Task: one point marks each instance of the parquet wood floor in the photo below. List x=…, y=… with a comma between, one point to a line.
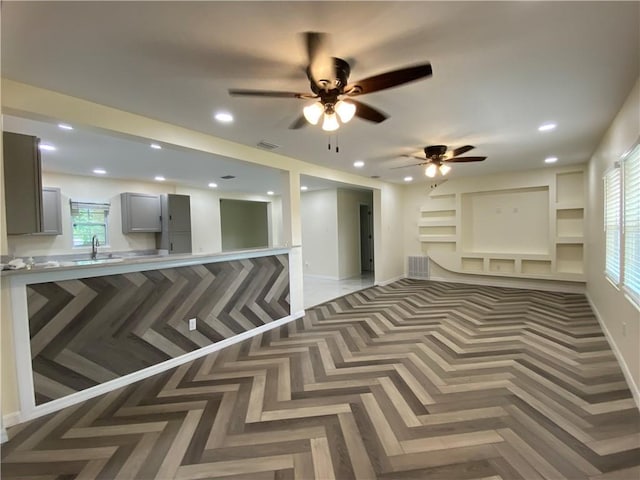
x=412, y=380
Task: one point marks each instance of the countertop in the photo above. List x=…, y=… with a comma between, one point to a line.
x=85, y=267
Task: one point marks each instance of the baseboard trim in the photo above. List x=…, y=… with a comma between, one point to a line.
x=391, y=280
x=555, y=287
x=74, y=398
x=11, y=419
x=635, y=391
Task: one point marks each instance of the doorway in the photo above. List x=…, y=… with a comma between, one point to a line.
x=366, y=239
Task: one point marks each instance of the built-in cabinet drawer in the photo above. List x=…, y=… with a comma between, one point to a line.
x=140, y=212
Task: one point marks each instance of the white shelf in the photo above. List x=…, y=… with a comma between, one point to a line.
x=508, y=256
x=577, y=205
x=539, y=268
x=437, y=222
x=570, y=239
x=438, y=238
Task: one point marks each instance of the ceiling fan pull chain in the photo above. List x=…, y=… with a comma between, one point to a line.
x=329, y=145
x=337, y=147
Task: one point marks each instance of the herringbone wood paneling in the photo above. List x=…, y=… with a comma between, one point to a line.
x=87, y=331
x=412, y=380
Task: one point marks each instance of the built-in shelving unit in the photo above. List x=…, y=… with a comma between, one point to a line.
x=531, y=228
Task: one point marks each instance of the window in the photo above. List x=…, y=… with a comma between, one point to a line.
x=89, y=219
x=612, y=224
x=631, y=223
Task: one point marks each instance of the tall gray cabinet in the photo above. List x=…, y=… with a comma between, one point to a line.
x=22, y=183
x=176, y=224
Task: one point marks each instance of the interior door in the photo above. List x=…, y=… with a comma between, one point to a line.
x=366, y=239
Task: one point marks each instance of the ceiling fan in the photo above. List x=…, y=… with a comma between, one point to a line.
x=329, y=78
x=437, y=159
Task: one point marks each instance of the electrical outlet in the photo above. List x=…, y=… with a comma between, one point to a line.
x=192, y=324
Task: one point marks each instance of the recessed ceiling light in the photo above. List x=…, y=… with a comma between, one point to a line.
x=47, y=147
x=304, y=188
x=358, y=164
x=270, y=192
x=159, y=178
x=65, y=126
x=155, y=146
x=223, y=117
x=213, y=185
x=545, y=127
x=408, y=179
x=551, y=160
x=99, y=171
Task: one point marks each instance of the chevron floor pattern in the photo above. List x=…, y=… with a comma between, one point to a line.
x=411, y=380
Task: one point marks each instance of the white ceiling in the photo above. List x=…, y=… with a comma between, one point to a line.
x=500, y=70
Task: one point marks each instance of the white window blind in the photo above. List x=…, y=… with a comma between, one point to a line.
x=88, y=220
x=612, y=224
x=631, y=219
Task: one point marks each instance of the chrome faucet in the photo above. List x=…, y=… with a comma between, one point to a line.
x=95, y=243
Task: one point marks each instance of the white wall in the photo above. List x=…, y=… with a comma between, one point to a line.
x=349, y=202
x=388, y=226
x=88, y=189
x=319, y=214
x=616, y=311
x=506, y=221
x=504, y=214
x=205, y=219
x=205, y=216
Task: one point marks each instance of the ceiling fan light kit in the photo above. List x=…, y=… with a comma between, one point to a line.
x=431, y=170
x=330, y=122
x=438, y=157
x=313, y=112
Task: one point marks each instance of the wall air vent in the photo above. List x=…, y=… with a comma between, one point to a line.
x=228, y=177
x=266, y=145
x=418, y=268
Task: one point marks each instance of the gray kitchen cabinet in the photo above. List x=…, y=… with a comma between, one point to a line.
x=140, y=212
x=22, y=183
x=51, y=211
x=175, y=236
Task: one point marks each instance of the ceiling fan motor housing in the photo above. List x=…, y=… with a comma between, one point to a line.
x=435, y=151
x=342, y=71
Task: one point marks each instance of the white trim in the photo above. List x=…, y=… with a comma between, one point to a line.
x=555, y=287
x=11, y=419
x=384, y=283
x=635, y=391
x=111, y=385
x=321, y=277
x=3, y=435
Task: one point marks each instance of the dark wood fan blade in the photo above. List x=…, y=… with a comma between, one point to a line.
x=412, y=165
x=299, y=123
x=465, y=159
x=461, y=150
x=369, y=113
x=269, y=93
x=321, y=65
x=389, y=80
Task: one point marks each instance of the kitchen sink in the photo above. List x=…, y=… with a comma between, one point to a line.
x=97, y=261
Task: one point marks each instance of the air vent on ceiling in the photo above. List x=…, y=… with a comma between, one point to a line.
x=228, y=177
x=267, y=146
x=375, y=176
